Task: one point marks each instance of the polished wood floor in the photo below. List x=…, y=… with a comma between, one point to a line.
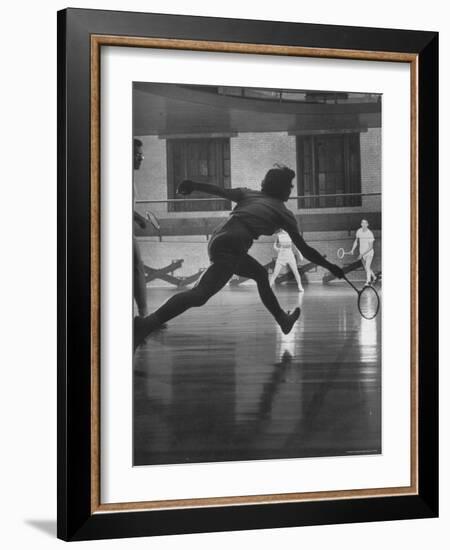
x=223, y=383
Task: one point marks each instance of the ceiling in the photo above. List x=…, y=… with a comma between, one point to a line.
x=172, y=109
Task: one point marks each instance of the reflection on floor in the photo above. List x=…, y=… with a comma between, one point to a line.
x=223, y=383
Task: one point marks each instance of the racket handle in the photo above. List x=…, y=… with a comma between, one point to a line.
x=351, y=284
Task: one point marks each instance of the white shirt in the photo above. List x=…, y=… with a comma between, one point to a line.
x=366, y=240
x=284, y=240
x=286, y=248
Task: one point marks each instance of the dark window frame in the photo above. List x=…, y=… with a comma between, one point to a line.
x=350, y=166
x=219, y=157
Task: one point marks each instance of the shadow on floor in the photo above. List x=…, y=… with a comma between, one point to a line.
x=47, y=526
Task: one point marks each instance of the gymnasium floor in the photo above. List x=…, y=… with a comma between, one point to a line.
x=223, y=383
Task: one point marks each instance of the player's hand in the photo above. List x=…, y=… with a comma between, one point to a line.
x=360, y=256
x=186, y=187
x=336, y=271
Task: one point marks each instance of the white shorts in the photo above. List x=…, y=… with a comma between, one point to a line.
x=368, y=256
x=286, y=257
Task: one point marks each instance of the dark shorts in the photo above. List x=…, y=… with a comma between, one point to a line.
x=230, y=242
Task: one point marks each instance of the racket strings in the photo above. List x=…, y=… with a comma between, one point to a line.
x=368, y=302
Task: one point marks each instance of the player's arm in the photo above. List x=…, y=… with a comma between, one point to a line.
x=355, y=244
x=313, y=255
x=186, y=187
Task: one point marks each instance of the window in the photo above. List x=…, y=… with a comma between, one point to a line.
x=206, y=160
x=329, y=165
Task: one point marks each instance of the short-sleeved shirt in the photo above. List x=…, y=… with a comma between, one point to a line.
x=284, y=240
x=366, y=240
x=285, y=252
x=262, y=214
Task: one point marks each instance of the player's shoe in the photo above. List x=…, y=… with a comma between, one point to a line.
x=288, y=320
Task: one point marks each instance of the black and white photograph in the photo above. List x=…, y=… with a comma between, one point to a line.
x=257, y=273
x=223, y=316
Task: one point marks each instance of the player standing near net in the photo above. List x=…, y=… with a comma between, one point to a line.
x=366, y=252
x=256, y=213
x=286, y=257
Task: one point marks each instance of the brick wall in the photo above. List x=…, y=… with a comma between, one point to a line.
x=371, y=166
x=150, y=181
x=251, y=156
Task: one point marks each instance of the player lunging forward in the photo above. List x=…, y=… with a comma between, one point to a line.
x=256, y=213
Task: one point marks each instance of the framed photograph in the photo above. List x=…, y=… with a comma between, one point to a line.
x=247, y=286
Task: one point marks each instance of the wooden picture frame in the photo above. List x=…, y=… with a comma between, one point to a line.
x=81, y=35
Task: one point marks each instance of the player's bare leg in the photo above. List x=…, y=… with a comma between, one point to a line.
x=213, y=279
x=275, y=273
x=370, y=274
x=249, y=267
x=293, y=267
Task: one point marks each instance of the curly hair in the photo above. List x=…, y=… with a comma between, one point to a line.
x=277, y=183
